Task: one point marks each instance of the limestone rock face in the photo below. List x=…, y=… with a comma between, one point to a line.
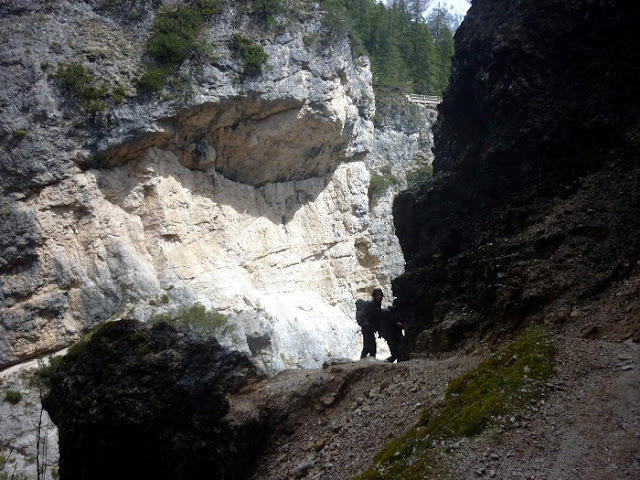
x=402, y=146
x=247, y=194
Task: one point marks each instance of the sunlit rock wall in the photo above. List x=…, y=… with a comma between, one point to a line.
x=246, y=194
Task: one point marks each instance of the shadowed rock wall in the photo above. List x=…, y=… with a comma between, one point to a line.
x=532, y=215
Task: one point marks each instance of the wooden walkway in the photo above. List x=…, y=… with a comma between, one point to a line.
x=427, y=100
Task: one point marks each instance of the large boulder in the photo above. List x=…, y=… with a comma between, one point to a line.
x=149, y=402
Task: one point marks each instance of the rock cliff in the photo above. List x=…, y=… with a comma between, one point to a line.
x=533, y=212
x=245, y=193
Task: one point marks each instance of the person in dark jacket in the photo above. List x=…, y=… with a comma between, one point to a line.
x=369, y=321
x=391, y=330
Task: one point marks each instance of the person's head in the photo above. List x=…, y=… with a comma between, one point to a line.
x=377, y=294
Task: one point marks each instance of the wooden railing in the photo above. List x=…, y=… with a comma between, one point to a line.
x=428, y=100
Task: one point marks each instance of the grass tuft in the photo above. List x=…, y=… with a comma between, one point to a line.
x=13, y=397
x=91, y=93
x=198, y=319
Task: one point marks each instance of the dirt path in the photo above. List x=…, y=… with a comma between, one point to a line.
x=586, y=427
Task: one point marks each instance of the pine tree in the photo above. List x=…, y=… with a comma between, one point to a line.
x=406, y=51
x=443, y=43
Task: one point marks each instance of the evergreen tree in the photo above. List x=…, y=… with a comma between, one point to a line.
x=443, y=43
x=406, y=51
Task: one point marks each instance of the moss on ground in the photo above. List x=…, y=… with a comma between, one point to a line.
x=501, y=385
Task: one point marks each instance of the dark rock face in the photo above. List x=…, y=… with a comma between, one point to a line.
x=141, y=402
x=534, y=209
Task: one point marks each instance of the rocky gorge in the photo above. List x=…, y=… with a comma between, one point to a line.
x=244, y=193
x=170, y=199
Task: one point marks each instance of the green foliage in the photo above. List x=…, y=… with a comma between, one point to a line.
x=495, y=387
x=13, y=476
x=268, y=9
x=119, y=94
x=310, y=40
x=378, y=184
x=206, y=8
x=252, y=55
x=421, y=174
x=154, y=79
x=499, y=386
x=174, y=38
x=198, y=319
x=13, y=397
x=405, y=51
x=78, y=347
x=91, y=93
x=392, y=109
x=19, y=134
x=46, y=370
x=335, y=18
x=174, y=34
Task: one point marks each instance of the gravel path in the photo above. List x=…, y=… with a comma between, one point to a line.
x=587, y=425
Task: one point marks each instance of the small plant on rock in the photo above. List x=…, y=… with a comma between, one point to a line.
x=198, y=319
x=13, y=397
x=421, y=174
x=268, y=9
x=253, y=56
x=378, y=184
x=19, y=134
x=91, y=93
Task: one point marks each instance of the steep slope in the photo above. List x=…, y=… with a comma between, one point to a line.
x=533, y=212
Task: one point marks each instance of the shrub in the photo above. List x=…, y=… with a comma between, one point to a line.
x=119, y=94
x=335, y=18
x=174, y=38
x=252, y=55
x=19, y=134
x=310, y=40
x=268, y=9
x=378, y=184
x=154, y=79
x=392, y=109
x=206, y=8
x=46, y=370
x=174, y=34
x=91, y=93
x=13, y=397
x=198, y=319
x=421, y=174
